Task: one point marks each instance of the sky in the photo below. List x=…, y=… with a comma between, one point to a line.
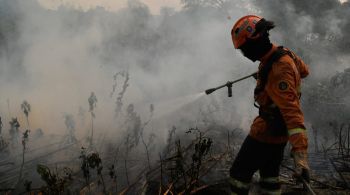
x=112, y=5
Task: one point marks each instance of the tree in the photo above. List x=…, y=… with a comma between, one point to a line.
x=92, y=102
x=70, y=125
x=92, y=105
x=25, y=106
x=0, y=125
x=119, y=103
x=14, y=130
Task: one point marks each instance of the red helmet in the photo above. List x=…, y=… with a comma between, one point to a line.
x=244, y=29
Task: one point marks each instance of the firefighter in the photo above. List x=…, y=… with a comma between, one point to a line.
x=280, y=117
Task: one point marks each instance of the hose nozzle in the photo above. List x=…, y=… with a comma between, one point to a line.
x=228, y=85
x=209, y=91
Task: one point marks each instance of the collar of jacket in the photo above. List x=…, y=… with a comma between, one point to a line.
x=265, y=58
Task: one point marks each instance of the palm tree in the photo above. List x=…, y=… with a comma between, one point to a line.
x=25, y=106
x=92, y=105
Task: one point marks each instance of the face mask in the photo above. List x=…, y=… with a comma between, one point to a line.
x=249, y=52
x=256, y=49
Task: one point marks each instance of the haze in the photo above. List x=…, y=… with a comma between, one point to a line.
x=112, y=5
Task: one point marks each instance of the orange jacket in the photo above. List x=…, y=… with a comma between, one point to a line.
x=282, y=90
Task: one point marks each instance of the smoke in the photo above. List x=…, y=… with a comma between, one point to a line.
x=57, y=58
x=54, y=59
x=316, y=30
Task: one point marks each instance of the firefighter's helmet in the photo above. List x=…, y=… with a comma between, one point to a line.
x=244, y=29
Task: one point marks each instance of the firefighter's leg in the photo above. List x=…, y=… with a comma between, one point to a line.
x=244, y=166
x=269, y=173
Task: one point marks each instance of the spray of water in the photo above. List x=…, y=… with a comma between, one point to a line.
x=170, y=106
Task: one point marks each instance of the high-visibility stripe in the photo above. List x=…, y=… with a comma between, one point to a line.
x=295, y=131
x=271, y=192
x=238, y=184
x=270, y=179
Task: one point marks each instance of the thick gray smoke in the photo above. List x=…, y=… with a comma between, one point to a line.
x=316, y=30
x=56, y=58
x=132, y=59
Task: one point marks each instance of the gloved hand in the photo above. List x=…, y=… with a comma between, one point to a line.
x=302, y=169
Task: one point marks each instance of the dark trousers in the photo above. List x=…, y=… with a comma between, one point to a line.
x=254, y=156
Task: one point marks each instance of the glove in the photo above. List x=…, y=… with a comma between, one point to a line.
x=302, y=169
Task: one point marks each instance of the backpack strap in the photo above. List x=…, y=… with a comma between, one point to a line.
x=265, y=70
